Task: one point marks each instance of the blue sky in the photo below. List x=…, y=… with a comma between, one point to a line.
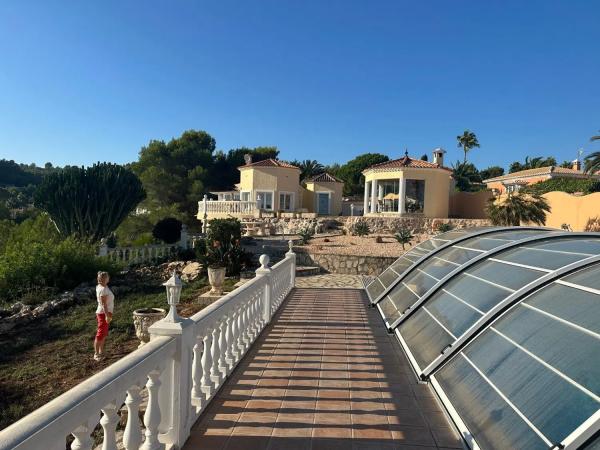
x=327, y=80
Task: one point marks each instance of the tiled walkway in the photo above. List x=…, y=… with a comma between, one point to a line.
x=331, y=281
x=324, y=375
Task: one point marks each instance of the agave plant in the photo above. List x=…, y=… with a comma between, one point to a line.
x=404, y=236
x=514, y=208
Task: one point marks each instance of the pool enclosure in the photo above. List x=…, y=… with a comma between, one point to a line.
x=505, y=325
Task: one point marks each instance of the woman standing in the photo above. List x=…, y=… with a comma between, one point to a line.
x=104, y=312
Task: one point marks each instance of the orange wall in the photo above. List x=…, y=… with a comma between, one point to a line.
x=572, y=209
x=469, y=205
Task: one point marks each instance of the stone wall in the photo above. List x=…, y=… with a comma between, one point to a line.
x=344, y=264
x=378, y=225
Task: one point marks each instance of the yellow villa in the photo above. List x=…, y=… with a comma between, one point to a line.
x=408, y=186
x=271, y=187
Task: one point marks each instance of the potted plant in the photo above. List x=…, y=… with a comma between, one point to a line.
x=143, y=318
x=215, y=260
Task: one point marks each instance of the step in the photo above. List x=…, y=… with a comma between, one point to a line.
x=306, y=271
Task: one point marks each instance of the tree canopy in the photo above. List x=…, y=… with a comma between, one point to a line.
x=351, y=172
x=532, y=163
x=491, y=172
x=467, y=141
x=89, y=203
x=466, y=177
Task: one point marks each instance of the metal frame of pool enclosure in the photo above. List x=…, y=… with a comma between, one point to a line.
x=505, y=325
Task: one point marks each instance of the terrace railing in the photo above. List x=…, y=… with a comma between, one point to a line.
x=181, y=369
x=222, y=208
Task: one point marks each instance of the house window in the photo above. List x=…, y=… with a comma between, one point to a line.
x=245, y=196
x=415, y=196
x=265, y=200
x=286, y=201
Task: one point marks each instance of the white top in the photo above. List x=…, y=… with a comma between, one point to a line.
x=110, y=301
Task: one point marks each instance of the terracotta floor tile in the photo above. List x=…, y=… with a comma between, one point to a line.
x=316, y=379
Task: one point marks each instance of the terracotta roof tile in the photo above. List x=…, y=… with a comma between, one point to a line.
x=405, y=161
x=324, y=178
x=547, y=170
x=269, y=163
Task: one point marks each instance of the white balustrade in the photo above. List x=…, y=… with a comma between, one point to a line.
x=181, y=369
x=233, y=208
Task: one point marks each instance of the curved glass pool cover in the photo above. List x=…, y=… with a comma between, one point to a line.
x=505, y=324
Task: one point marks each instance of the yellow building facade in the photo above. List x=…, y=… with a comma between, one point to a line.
x=408, y=186
x=323, y=194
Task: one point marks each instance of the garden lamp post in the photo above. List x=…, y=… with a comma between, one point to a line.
x=173, y=286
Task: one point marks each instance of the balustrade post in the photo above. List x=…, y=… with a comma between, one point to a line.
x=291, y=255
x=206, y=385
x=229, y=340
x=175, y=398
x=265, y=272
x=83, y=439
x=183, y=240
x=215, y=374
x=132, y=436
x=153, y=415
x=103, y=249
x=109, y=422
x=223, y=368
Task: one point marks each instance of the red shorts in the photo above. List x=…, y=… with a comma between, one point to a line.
x=102, y=326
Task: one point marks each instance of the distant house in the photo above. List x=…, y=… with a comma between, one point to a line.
x=409, y=186
x=514, y=181
x=323, y=194
x=271, y=186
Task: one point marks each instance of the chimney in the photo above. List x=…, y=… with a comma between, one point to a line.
x=438, y=156
x=576, y=165
x=248, y=158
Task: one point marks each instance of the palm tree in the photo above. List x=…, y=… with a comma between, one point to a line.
x=514, y=208
x=404, y=236
x=310, y=168
x=465, y=176
x=592, y=161
x=467, y=141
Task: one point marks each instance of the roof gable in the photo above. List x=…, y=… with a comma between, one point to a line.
x=405, y=162
x=323, y=178
x=270, y=163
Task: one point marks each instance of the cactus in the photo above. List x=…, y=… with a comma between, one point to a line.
x=91, y=202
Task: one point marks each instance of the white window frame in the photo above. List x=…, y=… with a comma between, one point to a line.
x=328, y=203
x=292, y=200
x=246, y=194
x=262, y=198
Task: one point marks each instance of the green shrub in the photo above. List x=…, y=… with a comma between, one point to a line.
x=306, y=234
x=167, y=230
x=444, y=227
x=35, y=259
x=404, y=236
x=360, y=228
x=224, y=231
x=568, y=185
x=222, y=246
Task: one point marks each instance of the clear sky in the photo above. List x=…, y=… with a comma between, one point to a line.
x=82, y=81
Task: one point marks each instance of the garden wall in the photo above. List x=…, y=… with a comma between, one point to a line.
x=377, y=225
x=344, y=264
x=470, y=205
x=574, y=210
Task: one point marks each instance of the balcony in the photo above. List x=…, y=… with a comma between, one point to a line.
x=220, y=209
x=266, y=366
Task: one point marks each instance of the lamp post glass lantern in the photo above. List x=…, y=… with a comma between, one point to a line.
x=173, y=286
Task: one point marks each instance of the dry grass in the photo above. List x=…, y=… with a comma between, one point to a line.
x=355, y=245
x=40, y=361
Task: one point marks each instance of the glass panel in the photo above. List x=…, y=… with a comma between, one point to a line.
x=477, y=293
x=587, y=277
x=422, y=336
x=582, y=308
x=402, y=297
x=375, y=289
x=586, y=246
x=414, y=196
x=553, y=405
x=389, y=310
x=554, y=342
x=493, y=423
x=505, y=275
x=458, y=255
x=387, y=277
x=545, y=260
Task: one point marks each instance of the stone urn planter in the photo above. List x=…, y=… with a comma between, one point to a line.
x=143, y=318
x=216, y=277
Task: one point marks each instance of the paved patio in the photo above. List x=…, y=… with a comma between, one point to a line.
x=324, y=375
x=331, y=281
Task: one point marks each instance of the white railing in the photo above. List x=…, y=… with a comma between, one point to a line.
x=181, y=368
x=227, y=207
x=137, y=255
